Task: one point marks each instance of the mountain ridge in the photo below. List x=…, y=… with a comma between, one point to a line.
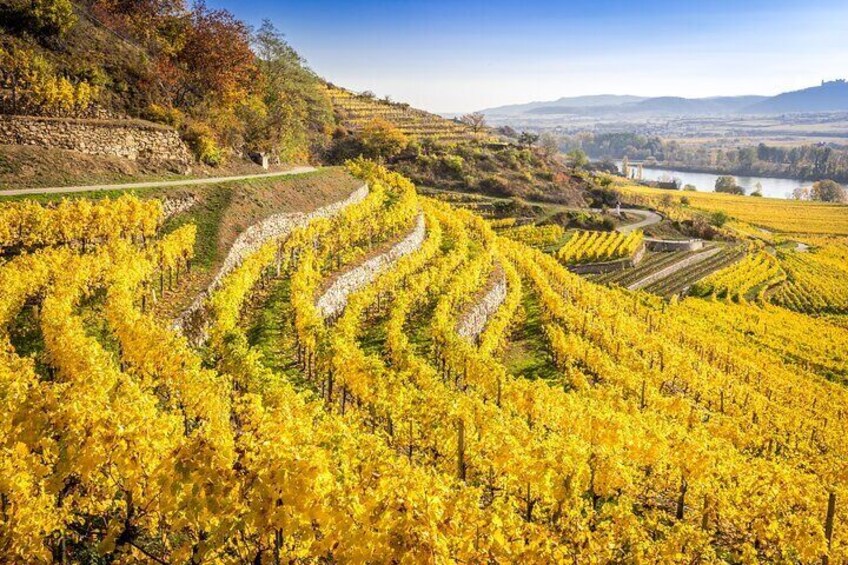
x=830, y=96
x=587, y=101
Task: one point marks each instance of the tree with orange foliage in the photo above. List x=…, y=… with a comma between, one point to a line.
x=216, y=59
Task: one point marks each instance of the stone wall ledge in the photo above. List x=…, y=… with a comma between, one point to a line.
x=135, y=140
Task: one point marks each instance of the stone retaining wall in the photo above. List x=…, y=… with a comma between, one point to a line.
x=674, y=244
x=249, y=241
x=609, y=266
x=135, y=140
x=333, y=301
x=474, y=322
x=172, y=206
x=671, y=269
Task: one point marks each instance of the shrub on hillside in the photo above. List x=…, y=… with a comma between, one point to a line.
x=452, y=165
x=53, y=17
x=381, y=140
x=201, y=140
x=699, y=227
x=718, y=218
x=604, y=196
x=44, y=19
x=496, y=186
x=163, y=115
x=29, y=84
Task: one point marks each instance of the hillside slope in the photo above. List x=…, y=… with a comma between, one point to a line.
x=441, y=153
x=829, y=97
x=583, y=424
x=227, y=88
x=355, y=111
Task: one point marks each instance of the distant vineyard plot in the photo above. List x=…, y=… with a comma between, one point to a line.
x=357, y=110
x=786, y=216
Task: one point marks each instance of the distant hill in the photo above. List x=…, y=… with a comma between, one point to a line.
x=829, y=97
x=715, y=105
x=660, y=105
x=594, y=101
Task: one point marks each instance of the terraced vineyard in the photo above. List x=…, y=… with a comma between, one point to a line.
x=651, y=263
x=546, y=236
x=377, y=430
x=670, y=273
x=785, y=216
x=747, y=279
x=713, y=260
x=817, y=277
x=356, y=111
x=592, y=246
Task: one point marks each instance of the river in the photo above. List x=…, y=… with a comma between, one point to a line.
x=705, y=182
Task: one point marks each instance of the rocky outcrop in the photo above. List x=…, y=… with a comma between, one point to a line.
x=334, y=299
x=136, y=140
x=249, y=241
x=472, y=324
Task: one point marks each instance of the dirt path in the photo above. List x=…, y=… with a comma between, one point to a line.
x=649, y=218
x=151, y=184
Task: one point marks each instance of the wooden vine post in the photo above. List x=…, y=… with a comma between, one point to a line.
x=460, y=450
x=828, y=525
x=681, y=500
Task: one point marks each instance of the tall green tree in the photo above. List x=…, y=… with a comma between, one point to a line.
x=298, y=114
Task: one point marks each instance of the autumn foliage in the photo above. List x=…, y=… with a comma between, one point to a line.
x=191, y=67
x=688, y=431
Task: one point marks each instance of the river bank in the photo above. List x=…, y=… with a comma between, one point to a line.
x=775, y=187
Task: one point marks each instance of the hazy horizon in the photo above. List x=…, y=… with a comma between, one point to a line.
x=457, y=57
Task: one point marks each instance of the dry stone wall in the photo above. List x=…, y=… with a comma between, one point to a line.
x=472, y=324
x=249, y=241
x=135, y=140
x=671, y=245
x=610, y=266
x=177, y=205
x=670, y=270
x=333, y=301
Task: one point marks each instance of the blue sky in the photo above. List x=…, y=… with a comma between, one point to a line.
x=467, y=55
